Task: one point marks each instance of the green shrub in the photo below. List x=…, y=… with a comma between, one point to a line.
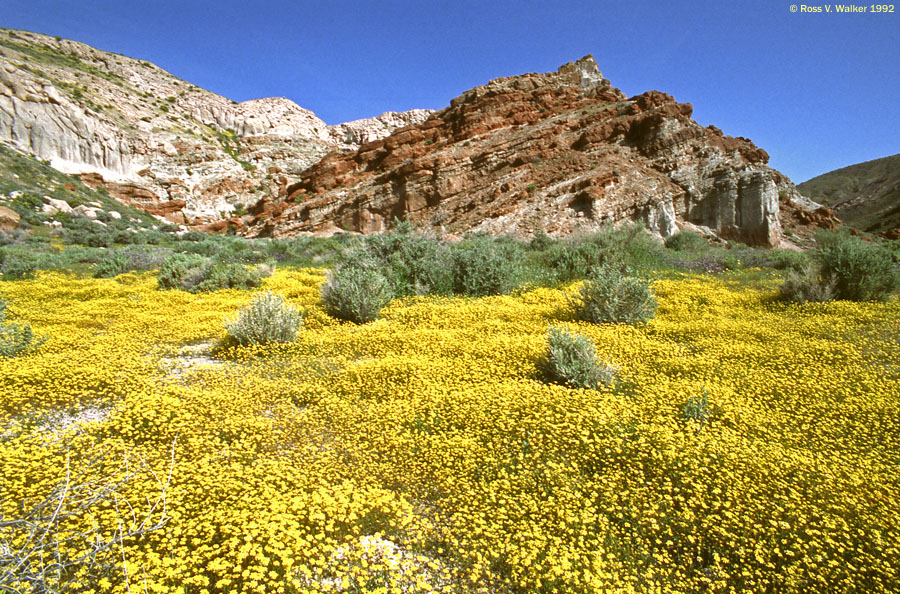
x=193, y=236
x=859, y=271
x=414, y=263
x=806, y=284
x=698, y=410
x=789, y=259
x=574, y=259
x=572, y=361
x=217, y=274
x=631, y=246
x=114, y=264
x=481, y=266
x=19, y=265
x=83, y=231
x=421, y=266
x=16, y=339
x=356, y=291
x=610, y=297
x=540, y=241
x=174, y=269
x=267, y=319
x=686, y=241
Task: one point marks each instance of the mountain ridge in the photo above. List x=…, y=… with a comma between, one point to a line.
x=195, y=154
x=562, y=152
x=865, y=195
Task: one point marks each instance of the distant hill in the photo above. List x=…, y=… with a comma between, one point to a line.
x=561, y=152
x=865, y=196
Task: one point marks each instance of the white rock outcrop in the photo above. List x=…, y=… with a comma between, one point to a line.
x=170, y=142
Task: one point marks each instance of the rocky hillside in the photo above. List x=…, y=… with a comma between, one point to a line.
x=154, y=140
x=865, y=196
x=560, y=152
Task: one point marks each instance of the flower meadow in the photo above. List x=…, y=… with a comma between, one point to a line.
x=423, y=451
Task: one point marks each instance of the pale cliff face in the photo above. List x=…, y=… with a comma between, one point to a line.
x=90, y=111
x=562, y=152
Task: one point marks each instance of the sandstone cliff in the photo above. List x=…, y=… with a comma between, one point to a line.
x=560, y=152
x=157, y=141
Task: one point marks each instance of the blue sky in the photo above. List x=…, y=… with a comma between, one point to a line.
x=818, y=91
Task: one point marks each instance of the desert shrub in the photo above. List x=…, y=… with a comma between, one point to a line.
x=215, y=274
x=697, y=410
x=18, y=264
x=631, y=246
x=83, y=231
x=540, y=241
x=15, y=339
x=145, y=258
x=421, y=266
x=686, y=241
x=482, y=267
x=572, y=361
x=806, y=284
x=193, y=236
x=268, y=318
x=611, y=297
x=788, y=259
x=174, y=269
x=114, y=264
x=242, y=250
x=414, y=263
x=356, y=291
x=206, y=247
x=574, y=259
x=13, y=236
x=860, y=271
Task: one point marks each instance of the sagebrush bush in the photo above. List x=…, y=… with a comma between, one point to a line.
x=16, y=339
x=686, y=241
x=482, y=267
x=267, y=319
x=217, y=274
x=805, y=285
x=197, y=274
x=572, y=361
x=356, y=291
x=859, y=271
x=175, y=267
x=630, y=245
x=611, y=297
x=18, y=265
x=788, y=259
x=112, y=265
x=573, y=259
x=414, y=263
x=421, y=266
x=698, y=409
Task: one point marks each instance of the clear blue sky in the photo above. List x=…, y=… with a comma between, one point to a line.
x=817, y=91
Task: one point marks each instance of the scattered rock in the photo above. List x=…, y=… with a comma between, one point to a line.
x=85, y=211
x=9, y=219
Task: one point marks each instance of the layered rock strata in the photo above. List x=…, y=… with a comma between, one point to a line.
x=138, y=130
x=562, y=152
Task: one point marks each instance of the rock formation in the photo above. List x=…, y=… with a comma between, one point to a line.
x=560, y=152
x=155, y=140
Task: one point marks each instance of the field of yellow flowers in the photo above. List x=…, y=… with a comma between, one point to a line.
x=423, y=452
